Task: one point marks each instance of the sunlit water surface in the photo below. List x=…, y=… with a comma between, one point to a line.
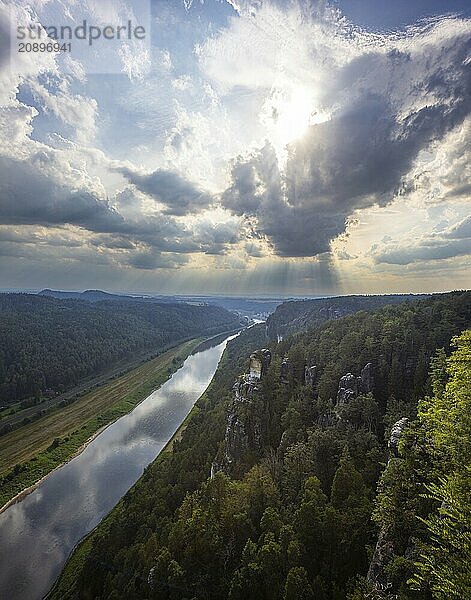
x=38, y=533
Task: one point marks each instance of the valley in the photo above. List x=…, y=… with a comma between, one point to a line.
x=277, y=486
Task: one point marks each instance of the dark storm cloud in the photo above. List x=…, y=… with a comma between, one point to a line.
x=388, y=107
x=152, y=260
x=29, y=196
x=252, y=180
x=179, y=195
x=260, y=189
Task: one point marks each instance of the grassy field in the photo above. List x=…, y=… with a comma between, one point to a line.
x=29, y=453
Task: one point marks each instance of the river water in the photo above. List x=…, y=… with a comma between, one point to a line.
x=38, y=533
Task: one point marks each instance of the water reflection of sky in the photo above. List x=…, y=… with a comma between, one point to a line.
x=38, y=533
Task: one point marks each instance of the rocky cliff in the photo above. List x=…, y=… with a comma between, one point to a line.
x=243, y=435
x=350, y=386
x=243, y=426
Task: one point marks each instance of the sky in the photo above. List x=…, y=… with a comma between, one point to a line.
x=250, y=147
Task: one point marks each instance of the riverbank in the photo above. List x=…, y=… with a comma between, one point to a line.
x=24, y=492
x=29, y=454
x=182, y=464
x=65, y=583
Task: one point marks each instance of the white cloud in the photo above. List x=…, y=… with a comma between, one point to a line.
x=381, y=104
x=285, y=131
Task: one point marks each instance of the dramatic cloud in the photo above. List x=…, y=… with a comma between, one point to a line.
x=396, y=97
x=29, y=196
x=259, y=189
x=179, y=195
x=268, y=138
x=425, y=250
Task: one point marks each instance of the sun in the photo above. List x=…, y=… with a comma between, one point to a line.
x=287, y=114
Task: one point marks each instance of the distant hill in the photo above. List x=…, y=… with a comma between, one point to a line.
x=48, y=345
x=261, y=307
x=247, y=306
x=90, y=295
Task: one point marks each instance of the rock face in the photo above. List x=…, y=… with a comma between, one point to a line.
x=367, y=379
x=259, y=363
x=348, y=389
x=310, y=375
x=242, y=432
x=350, y=386
x=383, y=553
x=396, y=432
x=150, y=577
x=286, y=371
x=384, y=550
x=243, y=427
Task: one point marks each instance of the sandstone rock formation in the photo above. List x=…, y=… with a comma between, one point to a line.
x=384, y=549
x=259, y=363
x=350, y=386
x=286, y=371
x=243, y=427
x=396, y=432
x=348, y=389
x=367, y=379
x=310, y=375
x=382, y=555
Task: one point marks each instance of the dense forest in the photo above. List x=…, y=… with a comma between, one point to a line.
x=295, y=316
x=48, y=345
x=344, y=472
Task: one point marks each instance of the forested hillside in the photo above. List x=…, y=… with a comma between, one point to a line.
x=272, y=491
x=423, y=507
x=295, y=316
x=48, y=345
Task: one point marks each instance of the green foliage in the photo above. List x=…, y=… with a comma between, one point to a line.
x=49, y=345
x=297, y=585
x=424, y=497
x=445, y=556
x=362, y=411
x=294, y=519
x=292, y=317
x=445, y=560
x=447, y=415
